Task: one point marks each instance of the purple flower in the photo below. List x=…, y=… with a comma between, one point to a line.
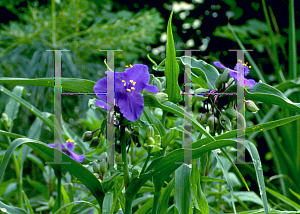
x=128, y=84
x=68, y=150
x=238, y=76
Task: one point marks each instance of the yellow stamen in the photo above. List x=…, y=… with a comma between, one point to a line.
x=124, y=84
x=69, y=140
x=130, y=65
x=250, y=66
x=128, y=89
x=133, y=83
x=123, y=80
x=74, y=144
x=132, y=88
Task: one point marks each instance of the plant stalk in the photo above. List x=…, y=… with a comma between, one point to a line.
x=124, y=154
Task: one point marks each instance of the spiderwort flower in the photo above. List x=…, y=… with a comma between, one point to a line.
x=68, y=150
x=128, y=84
x=236, y=75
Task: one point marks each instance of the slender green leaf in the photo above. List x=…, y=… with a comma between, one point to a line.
x=155, y=121
x=171, y=107
x=259, y=172
x=225, y=173
x=172, y=68
x=182, y=197
x=268, y=94
x=12, y=107
x=47, y=152
x=66, y=199
x=264, y=93
x=30, y=107
x=108, y=201
x=272, y=38
x=145, y=208
x=203, y=70
x=12, y=135
x=164, y=198
x=68, y=84
x=168, y=164
x=289, y=84
x=30, y=210
x=76, y=202
x=292, y=42
x=11, y=209
x=283, y=198
x=198, y=196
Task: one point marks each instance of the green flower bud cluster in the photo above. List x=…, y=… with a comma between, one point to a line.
x=99, y=170
x=94, y=141
x=222, y=79
x=153, y=142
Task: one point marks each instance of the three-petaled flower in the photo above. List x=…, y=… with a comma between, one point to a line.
x=127, y=86
x=237, y=75
x=68, y=150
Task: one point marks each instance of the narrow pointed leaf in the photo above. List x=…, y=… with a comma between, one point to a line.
x=47, y=152
x=172, y=68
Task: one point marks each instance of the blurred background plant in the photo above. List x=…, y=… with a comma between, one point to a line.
x=83, y=27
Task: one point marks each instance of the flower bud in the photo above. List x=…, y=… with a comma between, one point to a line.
x=150, y=132
x=202, y=118
x=251, y=107
x=96, y=167
x=225, y=122
x=119, y=158
x=6, y=121
x=225, y=76
x=87, y=136
x=103, y=167
x=231, y=112
x=157, y=83
x=157, y=140
x=94, y=143
x=240, y=121
x=150, y=141
x=161, y=97
x=127, y=132
x=218, y=83
x=212, y=122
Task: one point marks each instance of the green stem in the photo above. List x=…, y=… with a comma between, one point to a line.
x=124, y=154
x=131, y=152
x=163, y=119
x=18, y=175
x=128, y=206
x=292, y=42
x=155, y=199
x=219, y=196
x=58, y=198
x=146, y=162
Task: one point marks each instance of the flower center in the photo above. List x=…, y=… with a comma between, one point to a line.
x=129, y=86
